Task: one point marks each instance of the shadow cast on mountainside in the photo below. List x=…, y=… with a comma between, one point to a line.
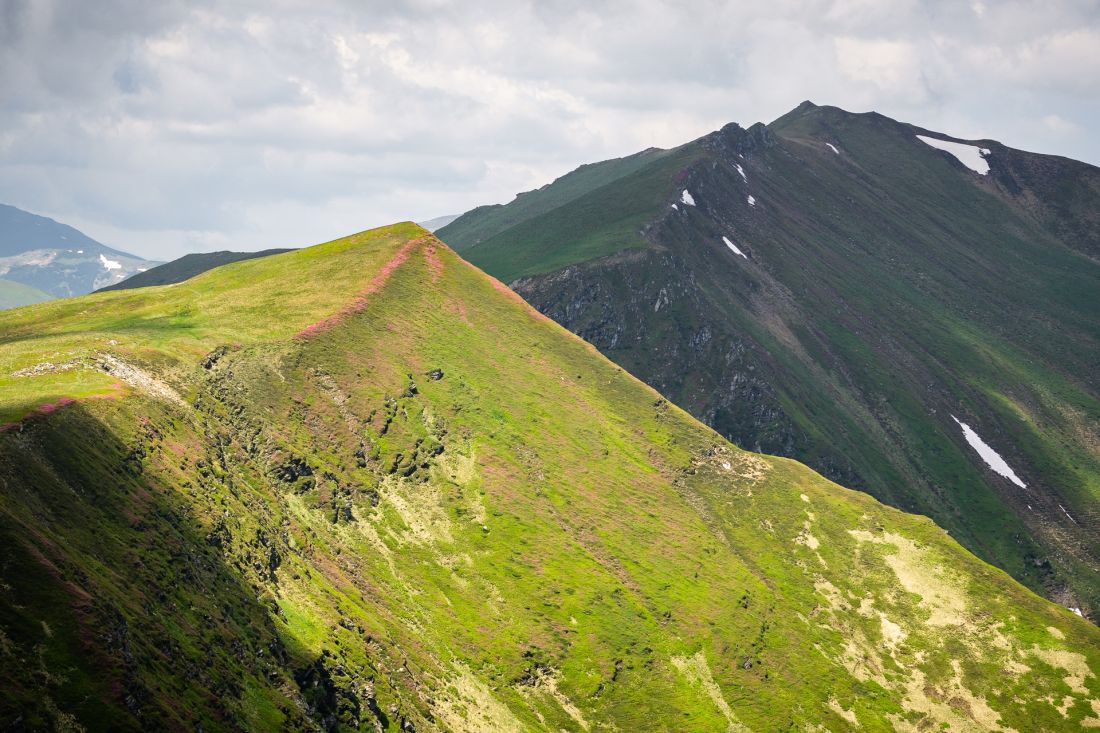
x=170, y=325
x=122, y=609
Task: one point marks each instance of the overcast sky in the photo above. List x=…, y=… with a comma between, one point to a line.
x=168, y=127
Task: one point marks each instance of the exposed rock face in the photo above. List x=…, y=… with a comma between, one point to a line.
x=663, y=328
x=831, y=288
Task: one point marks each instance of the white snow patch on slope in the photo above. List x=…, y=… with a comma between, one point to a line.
x=752, y=200
x=971, y=156
x=687, y=198
x=110, y=264
x=1068, y=515
x=742, y=172
x=833, y=148
x=990, y=456
x=733, y=247
x=676, y=207
x=1078, y=612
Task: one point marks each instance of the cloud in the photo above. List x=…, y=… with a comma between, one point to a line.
x=891, y=67
x=174, y=126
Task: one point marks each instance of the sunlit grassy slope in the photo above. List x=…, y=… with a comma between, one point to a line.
x=884, y=289
x=363, y=486
x=187, y=267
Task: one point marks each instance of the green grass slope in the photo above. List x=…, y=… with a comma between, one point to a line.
x=885, y=289
x=600, y=218
x=386, y=494
x=13, y=294
x=187, y=267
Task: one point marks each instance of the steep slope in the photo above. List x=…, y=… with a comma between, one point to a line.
x=47, y=257
x=831, y=287
x=595, y=224
x=385, y=494
x=187, y=267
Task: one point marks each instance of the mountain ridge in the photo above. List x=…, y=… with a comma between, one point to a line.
x=832, y=288
x=439, y=510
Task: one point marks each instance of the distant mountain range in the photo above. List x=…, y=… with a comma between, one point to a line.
x=438, y=222
x=42, y=259
x=909, y=313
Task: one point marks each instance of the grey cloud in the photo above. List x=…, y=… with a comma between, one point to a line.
x=169, y=126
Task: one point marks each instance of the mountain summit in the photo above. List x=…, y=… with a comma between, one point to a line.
x=363, y=486
x=911, y=314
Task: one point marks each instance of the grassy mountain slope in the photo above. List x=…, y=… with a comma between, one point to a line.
x=885, y=293
x=385, y=494
x=187, y=267
x=598, y=226
x=13, y=294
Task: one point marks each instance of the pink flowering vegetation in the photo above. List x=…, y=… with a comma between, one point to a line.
x=363, y=297
x=435, y=264
x=47, y=408
x=516, y=298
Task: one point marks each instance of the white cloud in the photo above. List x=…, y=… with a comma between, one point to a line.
x=894, y=68
x=1060, y=126
x=167, y=127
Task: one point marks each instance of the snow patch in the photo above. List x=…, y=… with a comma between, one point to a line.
x=833, y=148
x=80, y=251
x=1078, y=612
x=752, y=200
x=676, y=207
x=687, y=198
x=742, y=172
x=733, y=247
x=110, y=264
x=990, y=456
x=1068, y=515
x=971, y=156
